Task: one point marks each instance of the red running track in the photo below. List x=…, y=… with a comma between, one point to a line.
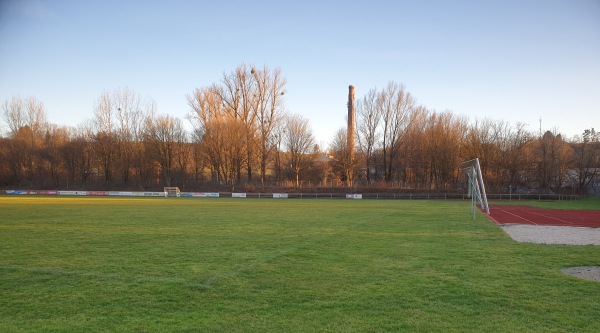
x=540, y=216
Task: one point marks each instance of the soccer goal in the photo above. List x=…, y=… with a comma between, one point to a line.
x=476, y=188
x=172, y=192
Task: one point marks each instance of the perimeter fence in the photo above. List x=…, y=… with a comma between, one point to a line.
x=300, y=195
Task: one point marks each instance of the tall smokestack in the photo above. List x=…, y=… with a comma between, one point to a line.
x=351, y=121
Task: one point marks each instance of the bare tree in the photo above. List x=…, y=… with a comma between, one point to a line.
x=343, y=164
x=50, y=154
x=222, y=143
x=119, y=119
x=29, y=112
x=105, y=137
x=298, y=142
x=205, y=105
x=367, y=129
x=219, y=133
x=77, y=157
x=14, y=114
x=269, y=109
x=278, y=137
x=481, y=142
x=129, y=120
x=443, y=138
x=239, y=95
x=26, y=119
x=414, y=147
x=4, y=161
x=395, y=106
x=164, y=140
x=255, y=97
x=17, y=155
x=552, y=158
x=512, y=161
x=587, y=158
x=141, y=164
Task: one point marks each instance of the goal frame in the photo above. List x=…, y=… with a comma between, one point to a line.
x=172, y=191
x=476, y=187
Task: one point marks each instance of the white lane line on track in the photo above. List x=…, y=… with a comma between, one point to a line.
x=553, y=218
x=516, y=216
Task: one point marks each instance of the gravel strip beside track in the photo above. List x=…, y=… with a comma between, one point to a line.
x=552, y=234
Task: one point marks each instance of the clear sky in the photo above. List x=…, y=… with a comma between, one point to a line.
x=510, y=60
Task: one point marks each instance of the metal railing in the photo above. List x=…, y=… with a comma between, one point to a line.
x=301, y=195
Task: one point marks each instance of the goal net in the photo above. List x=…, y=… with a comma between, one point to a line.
x=476, y=188
x=172, y=191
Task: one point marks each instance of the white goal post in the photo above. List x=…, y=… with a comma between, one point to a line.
x=172, y=192
x=476, y=188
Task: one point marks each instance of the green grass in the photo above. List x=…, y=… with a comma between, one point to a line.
x=227, y=265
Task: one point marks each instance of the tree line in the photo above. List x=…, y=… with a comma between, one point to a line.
x=243, y=137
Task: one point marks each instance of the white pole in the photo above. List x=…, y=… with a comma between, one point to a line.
x=487, y=208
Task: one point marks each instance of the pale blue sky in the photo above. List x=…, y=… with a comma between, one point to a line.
x=507, y=60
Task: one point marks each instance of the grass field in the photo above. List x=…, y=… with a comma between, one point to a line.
x=250, y=265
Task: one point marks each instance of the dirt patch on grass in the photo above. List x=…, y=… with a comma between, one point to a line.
x=584, y=272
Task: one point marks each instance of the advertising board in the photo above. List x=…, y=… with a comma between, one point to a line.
x=354, y=196
x=204, y=194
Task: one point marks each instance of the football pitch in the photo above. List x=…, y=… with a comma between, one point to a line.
x=265, y=265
